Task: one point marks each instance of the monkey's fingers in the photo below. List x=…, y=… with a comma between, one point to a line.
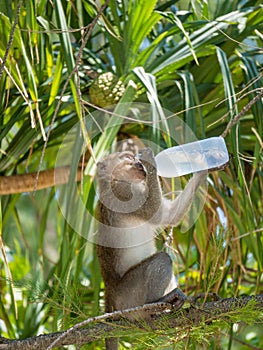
x=221, y=167
x=146, y=156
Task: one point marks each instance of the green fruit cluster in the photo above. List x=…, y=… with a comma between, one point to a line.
x=106, y=90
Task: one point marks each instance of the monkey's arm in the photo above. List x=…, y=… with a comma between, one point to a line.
x=163, y=212
x=173, y=211
x=154, y=198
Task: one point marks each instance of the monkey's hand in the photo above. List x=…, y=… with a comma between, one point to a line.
x=146, y=156
x=222, y=167
x=153, y=204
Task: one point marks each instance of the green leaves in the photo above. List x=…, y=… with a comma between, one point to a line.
x=138, y=22
x=201, y=62
x=67, y=52
x=174, y=19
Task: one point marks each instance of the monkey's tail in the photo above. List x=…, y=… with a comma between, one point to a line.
x=112, y=344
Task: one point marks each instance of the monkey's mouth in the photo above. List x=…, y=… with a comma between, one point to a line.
x=129, y=171
x=138, y=171
x=140, y=166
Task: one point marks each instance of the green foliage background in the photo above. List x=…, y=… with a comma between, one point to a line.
x=201, y=60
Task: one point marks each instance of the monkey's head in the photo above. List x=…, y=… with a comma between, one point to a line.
x=121, y=167
x=123, y=174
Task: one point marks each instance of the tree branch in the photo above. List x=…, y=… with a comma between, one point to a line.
x=246, y=108
x=105, y=325
x=26, y=182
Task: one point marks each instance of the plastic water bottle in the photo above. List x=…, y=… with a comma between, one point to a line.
x=192, y=157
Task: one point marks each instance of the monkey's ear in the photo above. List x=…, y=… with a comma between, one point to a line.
x=101, y=167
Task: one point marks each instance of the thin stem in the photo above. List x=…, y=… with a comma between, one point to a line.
x=11, y=38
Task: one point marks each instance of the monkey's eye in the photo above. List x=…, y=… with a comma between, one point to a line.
x=127, y=156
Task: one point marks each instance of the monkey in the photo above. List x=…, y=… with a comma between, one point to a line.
x=131, y=208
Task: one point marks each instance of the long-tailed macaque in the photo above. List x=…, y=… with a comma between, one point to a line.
x=131, y=208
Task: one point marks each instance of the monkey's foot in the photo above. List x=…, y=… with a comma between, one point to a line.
x=176, y=297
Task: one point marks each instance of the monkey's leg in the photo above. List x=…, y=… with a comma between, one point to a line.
x=147, y=282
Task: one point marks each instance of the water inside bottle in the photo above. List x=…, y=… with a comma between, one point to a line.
x=192, y=157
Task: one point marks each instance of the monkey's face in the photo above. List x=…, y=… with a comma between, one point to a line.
x=122, y=180
x=122, y=167
x=121, y=172
x=128, y=169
